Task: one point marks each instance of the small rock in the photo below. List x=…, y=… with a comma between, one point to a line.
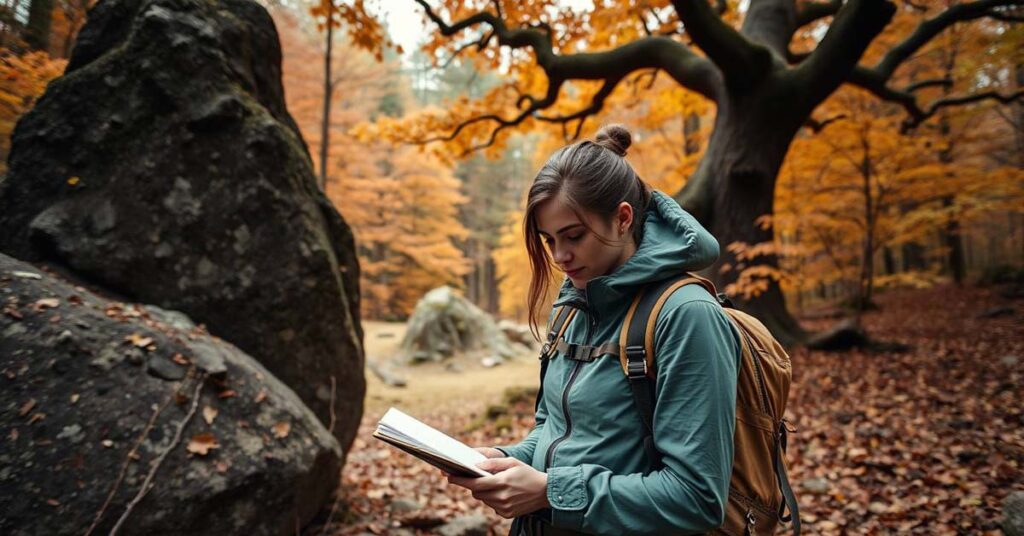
x=64, y=336
x=1009, y=360
x=26, y=275
x=475, y=525
x=1013, y=514
x=817, y=486
x=404, y=505
x=452, y=367
x=72, y=432
x=134, y=356
x=164, y=368
x=489, y=362
x=878, y=508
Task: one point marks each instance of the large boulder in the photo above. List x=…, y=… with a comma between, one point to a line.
x=445, y=324
x=93, y=387
x=164, y=167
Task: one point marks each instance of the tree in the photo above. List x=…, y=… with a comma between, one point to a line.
x=764, y=88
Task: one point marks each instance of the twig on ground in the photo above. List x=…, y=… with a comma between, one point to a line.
x=148, y=483
x=128, y=458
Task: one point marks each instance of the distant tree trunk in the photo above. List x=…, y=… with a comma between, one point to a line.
x=37, y=32
x=889, y=261
x=867, y=266
x=325, y=123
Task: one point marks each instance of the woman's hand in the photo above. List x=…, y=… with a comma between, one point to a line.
x=513, y=489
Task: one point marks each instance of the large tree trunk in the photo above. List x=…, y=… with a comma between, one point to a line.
x=735, y=184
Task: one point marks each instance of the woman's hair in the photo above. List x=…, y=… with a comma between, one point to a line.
x=588, y=176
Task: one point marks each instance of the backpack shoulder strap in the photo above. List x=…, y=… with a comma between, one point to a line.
x=556, y=330
x=636, y=349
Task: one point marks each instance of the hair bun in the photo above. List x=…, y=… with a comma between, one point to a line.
x=615, y=138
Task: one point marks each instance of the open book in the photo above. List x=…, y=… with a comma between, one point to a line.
x=429, y=444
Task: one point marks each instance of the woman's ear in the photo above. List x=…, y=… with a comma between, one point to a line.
x=624, y=217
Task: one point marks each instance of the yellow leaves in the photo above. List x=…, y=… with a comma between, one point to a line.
x=137, y=340
x=202, y=444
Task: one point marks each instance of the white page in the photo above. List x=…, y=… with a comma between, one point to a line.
x=438, y=441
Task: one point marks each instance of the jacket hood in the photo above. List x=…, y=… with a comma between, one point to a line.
x=673, y=242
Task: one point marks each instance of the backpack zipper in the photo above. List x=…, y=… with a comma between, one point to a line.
x=565, y=395
x=758, y=373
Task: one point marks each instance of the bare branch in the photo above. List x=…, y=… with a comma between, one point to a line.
x=817, y=126
x=742, y=62
x=932, y=27
x=913, y=121
x=945, y=82
x=816, y=11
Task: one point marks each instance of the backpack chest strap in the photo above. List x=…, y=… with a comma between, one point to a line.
x=586, y=353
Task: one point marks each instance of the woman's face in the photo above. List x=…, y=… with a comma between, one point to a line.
x=576, y=250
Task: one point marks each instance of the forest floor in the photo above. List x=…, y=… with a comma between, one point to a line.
x=924, y=442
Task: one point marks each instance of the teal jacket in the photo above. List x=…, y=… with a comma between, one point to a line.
x=588, y=436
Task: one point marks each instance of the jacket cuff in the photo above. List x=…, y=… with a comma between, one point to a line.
x=513, y=452
x=567, y=493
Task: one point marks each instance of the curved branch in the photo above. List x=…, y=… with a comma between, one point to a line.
x=816, y=11
x=945, y=82
x=932, y=27
x=817, y=126
x=742, y=62
x=914, y=121
x=660, y=53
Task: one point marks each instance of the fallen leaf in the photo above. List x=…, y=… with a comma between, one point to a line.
x=36, y=417
x=228, y=393
x=180, y=359
x=201, y=444
x=138, y=340
x=74, y=398
x=27, y=407
x=107, y=443
x=14, y=434
x=261, y=396
x=74, y=180
x=45, y=303
x=281, y=429
x=53, y=502
x=209, y=414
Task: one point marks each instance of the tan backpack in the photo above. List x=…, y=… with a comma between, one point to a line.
x=759, y=490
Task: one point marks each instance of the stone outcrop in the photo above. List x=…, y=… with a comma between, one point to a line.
x=93, y=387
x=164, y=167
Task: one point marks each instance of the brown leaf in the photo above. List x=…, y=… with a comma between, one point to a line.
x=138, y=340
x=281, y=430
x=209, y=414
x=201, y=444
x=261, y=396
x=227, y=393
x=45, y=303
x=27, y=407
x=36, y=417
x=180, y=359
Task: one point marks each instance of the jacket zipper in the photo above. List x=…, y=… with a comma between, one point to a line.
x=565, y=397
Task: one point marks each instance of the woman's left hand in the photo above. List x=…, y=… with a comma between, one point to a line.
x=513, y=489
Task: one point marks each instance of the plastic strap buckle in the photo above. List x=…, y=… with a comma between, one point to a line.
x=636, y=362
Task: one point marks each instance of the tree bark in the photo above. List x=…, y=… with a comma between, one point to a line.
x=735, y=184
x=325, y=124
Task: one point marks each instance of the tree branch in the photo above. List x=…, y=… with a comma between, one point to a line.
x=661, y=53
x=932, y=27
x=913, y=121
x=852, y=30
x=817, y=10
x=742, y=62
x=817, y=126
x=946, y=82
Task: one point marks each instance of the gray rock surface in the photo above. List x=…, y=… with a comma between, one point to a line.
x=164, y=167
x=445, y=324
x=474, y=525
x=1013, y=514
x=74, y=404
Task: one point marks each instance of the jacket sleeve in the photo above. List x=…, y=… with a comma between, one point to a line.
x=697, y=354
x=523, y=451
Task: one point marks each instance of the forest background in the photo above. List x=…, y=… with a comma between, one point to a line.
x=868, y=199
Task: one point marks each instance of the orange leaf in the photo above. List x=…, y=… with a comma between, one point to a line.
x=201, y=444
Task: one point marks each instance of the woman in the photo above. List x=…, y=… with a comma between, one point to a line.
x=583, y=468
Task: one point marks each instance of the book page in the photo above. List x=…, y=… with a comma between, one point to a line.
x=431, y=438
